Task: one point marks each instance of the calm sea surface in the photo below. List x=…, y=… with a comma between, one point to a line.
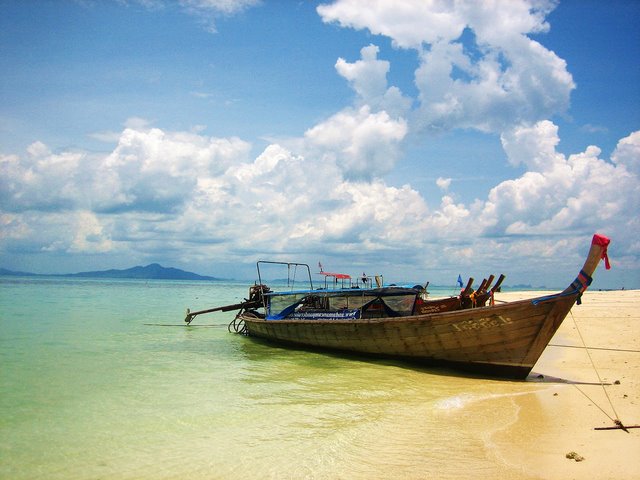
x=89, y=390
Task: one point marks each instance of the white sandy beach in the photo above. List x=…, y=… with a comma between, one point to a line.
x=560, y=417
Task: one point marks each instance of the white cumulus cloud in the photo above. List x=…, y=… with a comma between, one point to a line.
x=578, y=193
x=191, y=197
x=364, y=144
x=153, y=170
x=443, y=183
x=478, y=66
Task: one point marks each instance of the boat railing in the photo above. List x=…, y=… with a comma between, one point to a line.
x=344, y=281
x=369, y=281
x=293, y=275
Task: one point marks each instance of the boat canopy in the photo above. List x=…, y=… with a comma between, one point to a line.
x=341, y=276
x=340, y=303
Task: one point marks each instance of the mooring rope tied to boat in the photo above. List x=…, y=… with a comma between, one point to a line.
x=237, y=325
x=618, y=423
x=595, y=348
x=182, y=325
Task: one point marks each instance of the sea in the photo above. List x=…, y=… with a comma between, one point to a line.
x=101, y=379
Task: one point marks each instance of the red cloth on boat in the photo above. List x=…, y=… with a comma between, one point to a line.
x=604, y=243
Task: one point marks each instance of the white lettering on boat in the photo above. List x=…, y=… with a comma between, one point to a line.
x=424, y=309
x=346, y=315
x=481, y=323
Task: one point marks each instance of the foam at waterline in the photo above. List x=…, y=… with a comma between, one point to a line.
x=458, y=402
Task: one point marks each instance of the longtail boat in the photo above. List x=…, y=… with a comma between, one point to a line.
x=462, y=332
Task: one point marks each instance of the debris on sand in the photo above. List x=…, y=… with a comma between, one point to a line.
x=574, y=456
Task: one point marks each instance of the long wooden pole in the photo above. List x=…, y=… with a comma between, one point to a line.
x=226, y=308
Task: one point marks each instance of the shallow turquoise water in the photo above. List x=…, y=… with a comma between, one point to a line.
x=88, y=390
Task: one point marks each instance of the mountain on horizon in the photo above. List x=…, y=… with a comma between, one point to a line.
x=153, y=271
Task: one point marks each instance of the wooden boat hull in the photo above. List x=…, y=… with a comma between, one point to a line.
x=503, y=340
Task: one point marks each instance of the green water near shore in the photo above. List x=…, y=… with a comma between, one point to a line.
x=88, y=390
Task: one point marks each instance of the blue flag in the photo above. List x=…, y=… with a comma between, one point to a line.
x=460, y=281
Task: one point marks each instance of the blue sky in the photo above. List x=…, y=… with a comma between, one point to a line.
x=415, y=139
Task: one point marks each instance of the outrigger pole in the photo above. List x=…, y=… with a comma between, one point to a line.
x=227, y=308
x=255, y=300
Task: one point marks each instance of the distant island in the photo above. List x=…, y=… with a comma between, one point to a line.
x=153, y=271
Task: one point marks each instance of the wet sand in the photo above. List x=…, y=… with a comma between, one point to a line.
x=559, y=419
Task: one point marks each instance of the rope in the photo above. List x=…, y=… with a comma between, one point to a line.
x=595, y=348
x=599, y=407
x=180, y=325
x=617, y=419
x=237, y=325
